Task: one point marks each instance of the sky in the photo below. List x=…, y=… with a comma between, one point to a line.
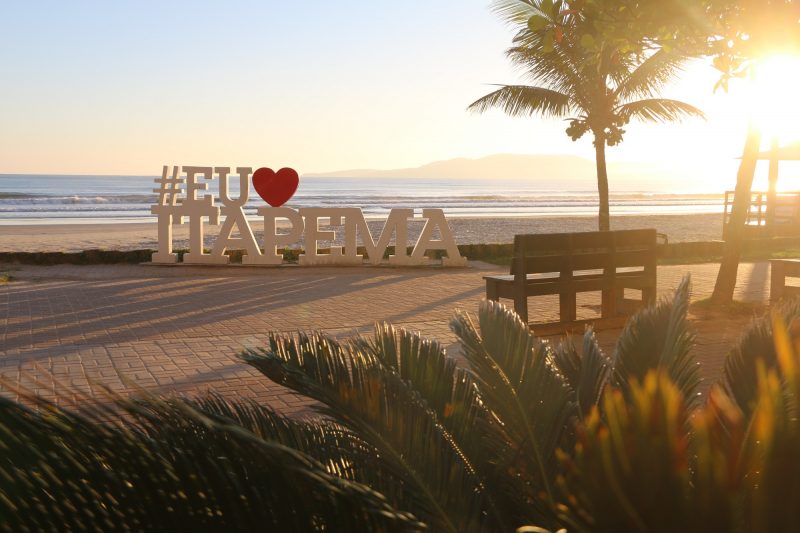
x=125, y=87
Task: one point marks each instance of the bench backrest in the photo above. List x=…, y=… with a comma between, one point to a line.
x=567, y=252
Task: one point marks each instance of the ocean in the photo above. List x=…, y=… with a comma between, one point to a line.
x=49, y=199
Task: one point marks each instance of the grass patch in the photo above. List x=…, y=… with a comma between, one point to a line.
x=87, y=257
x=789, y=253
x=5, y=277
x=690, y=260
x=499, y=261
x=681, y=253
x=754, y=255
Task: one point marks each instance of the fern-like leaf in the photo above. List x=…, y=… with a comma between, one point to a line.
x=658, y=337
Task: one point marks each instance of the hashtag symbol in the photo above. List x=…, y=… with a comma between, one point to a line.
x=170, y=190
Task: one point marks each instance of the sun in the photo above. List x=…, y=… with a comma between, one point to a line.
x=775, y=98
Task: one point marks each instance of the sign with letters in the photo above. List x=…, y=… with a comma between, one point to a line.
x=184, y=197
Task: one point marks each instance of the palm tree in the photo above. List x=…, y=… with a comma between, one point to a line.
x=598, y=89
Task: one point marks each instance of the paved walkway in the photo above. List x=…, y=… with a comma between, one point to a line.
x=179, y=329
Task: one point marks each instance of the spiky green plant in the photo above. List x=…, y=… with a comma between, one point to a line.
x=405, y=428
x=520, y=432
x=174, y=466
x=646, y=461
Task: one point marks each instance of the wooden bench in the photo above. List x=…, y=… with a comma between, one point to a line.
x=569, y=263
x=779, y=270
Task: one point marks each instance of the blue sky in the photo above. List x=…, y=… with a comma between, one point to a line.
x=124, y=87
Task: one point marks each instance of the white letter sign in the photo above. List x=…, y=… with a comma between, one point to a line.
x=179, y=199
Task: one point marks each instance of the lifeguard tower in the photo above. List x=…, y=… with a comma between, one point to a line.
x=771, y=213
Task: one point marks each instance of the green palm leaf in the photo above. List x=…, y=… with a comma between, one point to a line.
x=327, y=442
x=658, y=110
x=521, y=100
x=623, y=454
x=756, y=347
x=62, y=470
x=650, y=76
x=448, y=389
x=516, y=11
x=658, y=337
x=417, y=360
x=564, y=74
x=521, y=386
x=387, y=414
x=587, y=373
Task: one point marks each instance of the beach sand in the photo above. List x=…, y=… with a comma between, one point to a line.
x=137, y=236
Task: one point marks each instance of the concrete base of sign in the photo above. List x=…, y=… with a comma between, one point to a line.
x=462, y=263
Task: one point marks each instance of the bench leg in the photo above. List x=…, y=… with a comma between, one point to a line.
x=611, y=302
x=521, y=306
x=492, y=290
x=777, y=282
x=568, y=307
x=649, y=295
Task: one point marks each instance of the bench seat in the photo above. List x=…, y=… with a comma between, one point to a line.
x=569, y=263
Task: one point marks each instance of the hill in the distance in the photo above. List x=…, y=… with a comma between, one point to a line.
x=559, y=170
x=503, y=166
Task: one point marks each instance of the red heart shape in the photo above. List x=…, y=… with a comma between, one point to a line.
x=276, y=188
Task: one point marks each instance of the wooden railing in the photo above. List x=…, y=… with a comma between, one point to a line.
x=777, y=218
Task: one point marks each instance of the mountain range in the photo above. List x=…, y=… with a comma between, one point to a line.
x=506, y=166
x=566, y=170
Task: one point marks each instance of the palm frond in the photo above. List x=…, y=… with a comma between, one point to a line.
x=719, y=463
x=338, y=450
x=386, y=413
x=595, y=372
x=625, y=452
x=568, y=361
x=772, y=448
x=658, y=337
x=756, y=347
x=658, y=110
x=587, y=373
x=522, y=100
x=520, y=384
x=447, y=388
x=561, y=73
x=66, y=471
x=417, y=360
x=650, y=76
x=516, y=12
x=676, y=354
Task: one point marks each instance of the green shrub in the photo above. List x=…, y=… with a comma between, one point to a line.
x=523, y=432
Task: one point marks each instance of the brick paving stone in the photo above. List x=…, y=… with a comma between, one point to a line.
x=179, y=329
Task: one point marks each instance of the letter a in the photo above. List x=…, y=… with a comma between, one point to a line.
x=447, y=243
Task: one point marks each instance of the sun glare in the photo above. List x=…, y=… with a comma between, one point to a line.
x=775, y=98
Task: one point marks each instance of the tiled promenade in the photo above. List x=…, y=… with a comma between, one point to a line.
x=179, y=329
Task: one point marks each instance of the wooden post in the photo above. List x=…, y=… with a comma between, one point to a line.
x=610, y=295
x=520, y=278
x=568, y=297
x=777, y=280
x=726, y=215
x=772, y=195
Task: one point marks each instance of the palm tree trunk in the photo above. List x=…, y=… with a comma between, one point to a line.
x=726, y=278
x=603, y=217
